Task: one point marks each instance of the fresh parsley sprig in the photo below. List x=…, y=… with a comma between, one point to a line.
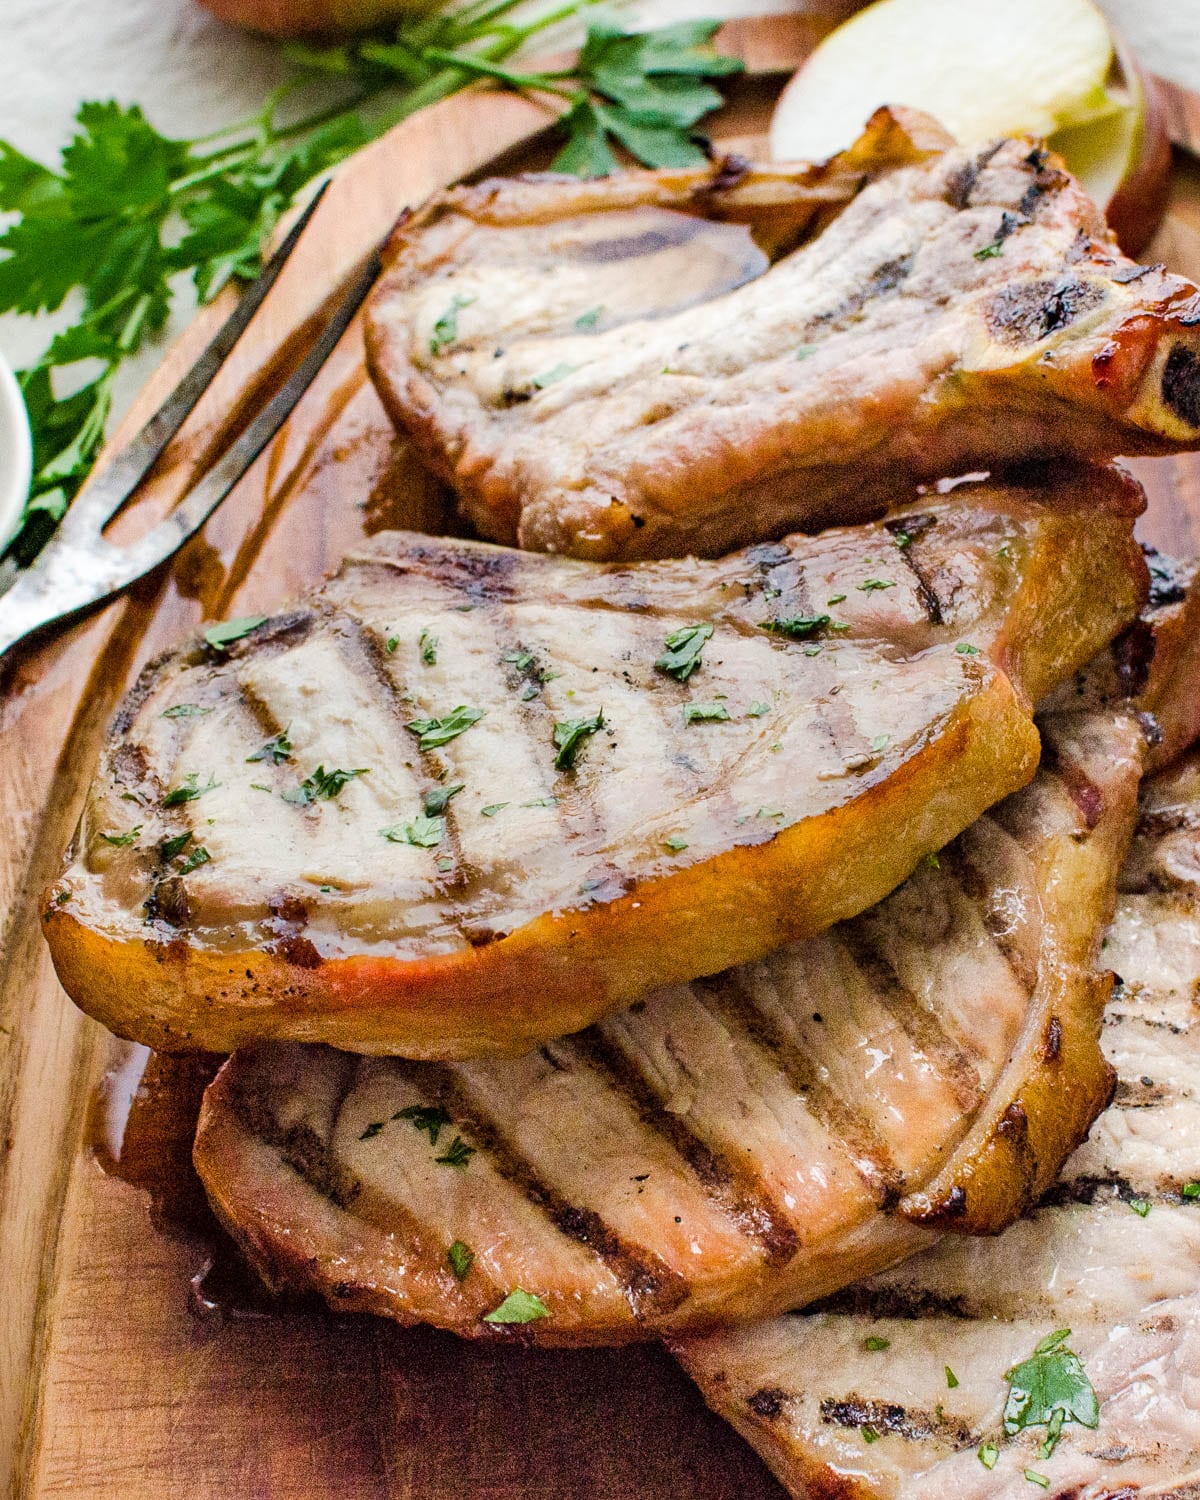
x=130, y=212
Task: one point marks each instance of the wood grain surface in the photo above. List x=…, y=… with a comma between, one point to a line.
x=119, y=1379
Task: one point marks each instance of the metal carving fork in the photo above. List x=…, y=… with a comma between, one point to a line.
x=77, y=568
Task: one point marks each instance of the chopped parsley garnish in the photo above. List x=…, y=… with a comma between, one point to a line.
x=492, y=809
x=221, y=637
x=276, y=750
x=189, y=789
x=445, y=330
x=836, y=599
x=951, y=1378
x=428, y=644
x=437, y=798
x=199, y=856
x=769, y=812
x=964, y=648
x=518, y=1307
x=427, y=1118
x=445, y=864
x=1050, y=1388
x=422, y=832
x=185, y=711
x=461, y=1258
x=675, y=843
x=933, y=861
x=986, y=252
x=433, y=733
x=806, y=351
x=797, y=627
x=872, y=585
x=875, y=1344
x=880, y=742
x=569, y=735
x=1035, y=1478
x=522, y=660
x=322, y=784
x=122, y=840
x=902, y=539
x=458, y=1154
x=391, y=643
x=988, y=1455
x=869, y=1435
x=552, y=377
x=1191, y=1190
x=169, y=848
x=683, y=654
x=756, y=710
x=1140, y=1206
x=589, y=319
x=538, y=802
x=700, y=712
x=372, y=1130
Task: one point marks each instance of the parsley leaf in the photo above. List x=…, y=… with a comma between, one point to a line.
x=569, y=735
x=427, y=1118
x=675, y=843
x=276, y=750
x=221, y=637
x=122, y=840
x=372, y=1130
x=875, y=1344
x=437, y=798
x=322, y=783
x=683, y=654
x=1052, y=1381
x=872, y=585
x=185, y=711
x=457, y=1155
x=756, y=710
x=423, y=832
x=493, y=809
x=461, y=1258
x=189, y=789
x=198, y=856
x=428, y=644
x=589, y=319
x=169, y=848
x=797, y=627
x=518, y=1307
x=445, y=330
x=700, y=712
x=1191, y=1190
x=988, y=1455
x=432, y=733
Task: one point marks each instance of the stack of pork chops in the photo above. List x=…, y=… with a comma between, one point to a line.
x=628, y=937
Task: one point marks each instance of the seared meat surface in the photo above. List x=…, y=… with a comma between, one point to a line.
x=744, y=1143
x=466, y=799
x=1111, y=1253
x=664, y=363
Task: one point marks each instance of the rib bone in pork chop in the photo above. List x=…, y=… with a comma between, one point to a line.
x=670, y=362
x=755, y=1139
x=1113, y=1253
x=466, y=799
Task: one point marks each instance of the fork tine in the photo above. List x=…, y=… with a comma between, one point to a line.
x=81, y=572
x=103, y=498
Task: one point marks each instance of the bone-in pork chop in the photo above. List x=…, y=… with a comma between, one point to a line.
x=466, y=799
x=758, y=1138
x=670, y=362
x=856, y=1401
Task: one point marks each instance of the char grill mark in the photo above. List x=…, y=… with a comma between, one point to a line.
x=918, y=1023
x=301, y=1147
x=651, y=1286
x=732, y=996
x=740, y=1194
x=992, y=907
x=890, y=1417
x=1033, y=310
x=916, y=528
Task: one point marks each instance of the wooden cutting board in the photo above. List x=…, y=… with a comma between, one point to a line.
x=119, y=1380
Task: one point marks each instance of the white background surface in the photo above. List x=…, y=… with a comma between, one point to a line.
x=192, y=74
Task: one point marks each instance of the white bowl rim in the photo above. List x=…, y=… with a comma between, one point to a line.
x=16, y=454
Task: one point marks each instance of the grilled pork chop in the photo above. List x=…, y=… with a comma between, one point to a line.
x=466, y=799
x=1113, y=1253
x=671, y=362
x=753, y=1140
